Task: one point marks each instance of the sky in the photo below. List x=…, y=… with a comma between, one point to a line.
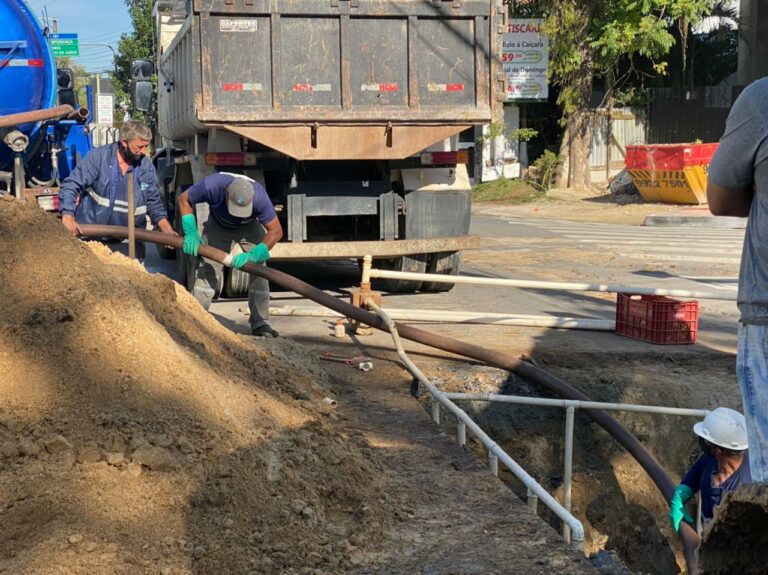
x=94, y=21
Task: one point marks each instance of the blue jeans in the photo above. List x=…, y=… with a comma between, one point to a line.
x=752, y=370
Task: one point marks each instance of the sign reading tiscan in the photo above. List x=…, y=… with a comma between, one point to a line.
x=525, y=57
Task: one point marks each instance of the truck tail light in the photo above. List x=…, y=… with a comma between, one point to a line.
x=230, y=159
x=444, y=158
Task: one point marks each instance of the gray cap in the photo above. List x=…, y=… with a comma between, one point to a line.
x=240, y=198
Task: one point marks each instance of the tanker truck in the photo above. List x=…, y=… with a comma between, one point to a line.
x=347, y=111
x=43, y=130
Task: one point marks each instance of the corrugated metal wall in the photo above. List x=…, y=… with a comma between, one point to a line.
x=678, y=116
x=627, y=128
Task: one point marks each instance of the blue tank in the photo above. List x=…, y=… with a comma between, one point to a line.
x=27, y=69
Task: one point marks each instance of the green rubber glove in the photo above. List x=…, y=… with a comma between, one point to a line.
x=192, y=239
x=677, y=511
x=257, y=255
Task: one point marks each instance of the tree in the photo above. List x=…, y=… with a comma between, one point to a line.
x=138, y=45
x=588, y=38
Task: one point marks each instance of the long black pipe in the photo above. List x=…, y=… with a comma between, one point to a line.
x=503, y=361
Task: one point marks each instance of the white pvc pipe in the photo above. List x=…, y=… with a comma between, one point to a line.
x=463, y=317
x=568, y=465
x=577, y=529
x=547, y=402
x=570, y=286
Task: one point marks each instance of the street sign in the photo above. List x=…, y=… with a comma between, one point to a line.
x=64, y=44
x=105, y=106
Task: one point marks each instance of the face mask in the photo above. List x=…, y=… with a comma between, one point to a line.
x=130, y=156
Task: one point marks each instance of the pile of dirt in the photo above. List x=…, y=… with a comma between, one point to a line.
x=137, y=435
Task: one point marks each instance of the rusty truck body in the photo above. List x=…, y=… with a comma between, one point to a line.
x=348, y=111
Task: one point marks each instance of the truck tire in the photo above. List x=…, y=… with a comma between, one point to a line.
x=447, y=263
x=236, y=283
x=416, y=263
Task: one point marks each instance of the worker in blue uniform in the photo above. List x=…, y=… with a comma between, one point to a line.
x=241, y=213
x=722, y=467
x=96, y=192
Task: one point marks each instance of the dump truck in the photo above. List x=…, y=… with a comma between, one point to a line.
x=347, y=111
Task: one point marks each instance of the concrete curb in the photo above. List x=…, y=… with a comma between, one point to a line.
x=691, y=220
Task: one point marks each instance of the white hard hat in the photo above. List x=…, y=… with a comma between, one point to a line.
x=725, y=428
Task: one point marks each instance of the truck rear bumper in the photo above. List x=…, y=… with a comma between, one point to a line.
x=377, y=249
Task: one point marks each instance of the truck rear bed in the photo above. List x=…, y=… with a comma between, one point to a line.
x=334, y=79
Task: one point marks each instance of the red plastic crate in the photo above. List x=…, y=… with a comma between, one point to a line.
x=657, y=319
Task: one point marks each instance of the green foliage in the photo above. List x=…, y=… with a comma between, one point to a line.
x=545, y=170
x=523, y=134
x=138, y=45
x=590, y=37
x=501, y=129
x=507, y=191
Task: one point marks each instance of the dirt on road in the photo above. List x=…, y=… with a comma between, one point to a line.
x=138, y=435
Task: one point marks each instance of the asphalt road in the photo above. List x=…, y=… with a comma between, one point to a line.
x=693, y=258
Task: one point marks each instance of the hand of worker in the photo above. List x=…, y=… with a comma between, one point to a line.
x=677, y=511
x=192, y=239
x=69, y=222
x=257, y=255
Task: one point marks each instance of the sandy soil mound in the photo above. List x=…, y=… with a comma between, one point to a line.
x=137, y=435
x=737, y=541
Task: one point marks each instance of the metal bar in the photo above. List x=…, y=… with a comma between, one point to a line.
x=461, y=433
x=330, y=250
x=547, y=402
x=577, y=529
x=435, y=411
x=570, y=286
x=461, y=317
x=568, y=465
x=532, y=500
x=493, y=464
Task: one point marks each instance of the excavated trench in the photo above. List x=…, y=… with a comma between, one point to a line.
x=624, y=516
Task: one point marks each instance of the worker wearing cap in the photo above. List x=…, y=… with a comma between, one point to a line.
x=723, y=465
x=240, y=213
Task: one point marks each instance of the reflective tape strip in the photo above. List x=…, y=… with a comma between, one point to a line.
x=101, y=200
x=432, y=87
x=311, y=88
x=246, y=87
x=30, y=63
x=381, y=87
x=140, y=211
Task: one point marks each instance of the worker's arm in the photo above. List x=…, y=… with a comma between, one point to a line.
x=85, y=174
x=274, y=233
x=731, y=174
x=260, y=252
x=729, y=201
x=192, y=238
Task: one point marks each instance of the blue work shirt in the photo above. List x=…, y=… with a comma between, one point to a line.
x=213, y=191
x=699, y=478
x=96, y=192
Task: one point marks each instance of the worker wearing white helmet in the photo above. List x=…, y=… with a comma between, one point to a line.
x=723, y=465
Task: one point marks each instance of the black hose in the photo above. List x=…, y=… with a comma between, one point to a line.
x=503, y=361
